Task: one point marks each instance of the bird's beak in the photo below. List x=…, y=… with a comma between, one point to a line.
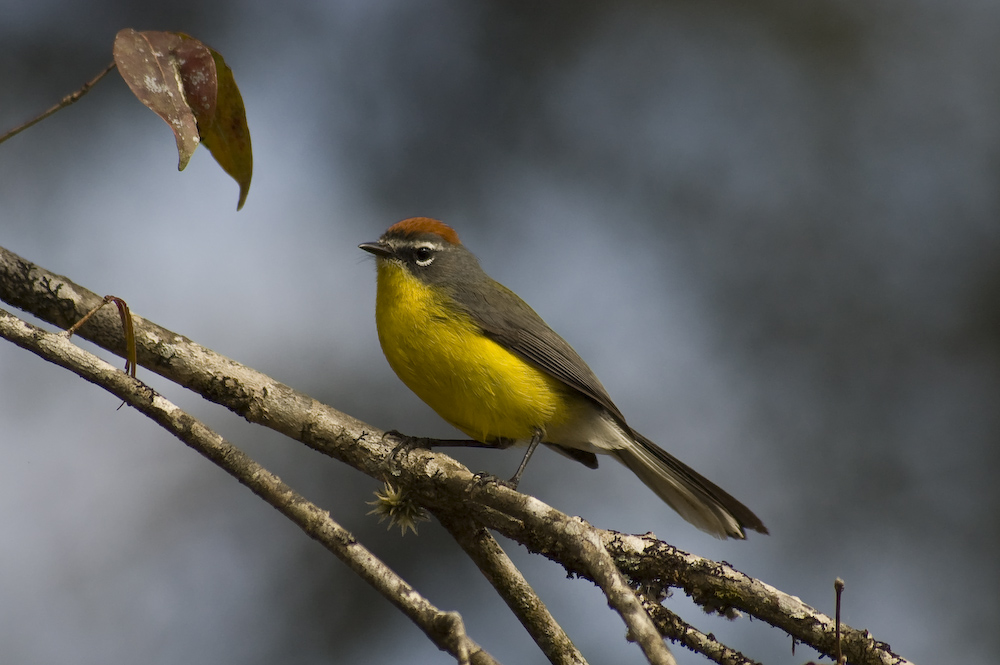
x=376, y=248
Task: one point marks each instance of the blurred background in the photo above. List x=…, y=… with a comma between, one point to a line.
x=771, y=229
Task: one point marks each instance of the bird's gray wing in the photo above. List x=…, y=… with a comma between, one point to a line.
x=511, y=323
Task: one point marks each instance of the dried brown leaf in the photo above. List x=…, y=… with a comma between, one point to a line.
x=149, y=64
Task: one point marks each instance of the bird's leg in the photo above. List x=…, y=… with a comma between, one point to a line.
x=411, y=442
x=407, y=441
x=535, y=440
x=497, y=444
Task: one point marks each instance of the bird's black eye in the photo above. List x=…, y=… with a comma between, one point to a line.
x=423, y=256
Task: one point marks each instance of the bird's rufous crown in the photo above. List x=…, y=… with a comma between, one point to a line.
x=417, y=225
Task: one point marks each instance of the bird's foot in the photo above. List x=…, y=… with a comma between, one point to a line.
x=484, y=478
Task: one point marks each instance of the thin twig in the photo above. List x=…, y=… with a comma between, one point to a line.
x=838, y=586
x=69, y=332
x=128, y=330
x=687, y=635
x=445, y=629
x=501, y=572
x=620, y=595
x=64, y=102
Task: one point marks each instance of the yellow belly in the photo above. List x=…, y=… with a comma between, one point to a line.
x=469, y=380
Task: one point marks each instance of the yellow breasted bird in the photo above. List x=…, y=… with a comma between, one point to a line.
x=489, y=365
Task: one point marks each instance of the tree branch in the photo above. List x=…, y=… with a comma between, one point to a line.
x=684, y=633
x=436, y=480
x=586, y=542
x=501, y=572
x=445, y=629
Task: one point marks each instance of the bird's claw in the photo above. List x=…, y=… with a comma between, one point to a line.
x=484, y=478
x=405, y=444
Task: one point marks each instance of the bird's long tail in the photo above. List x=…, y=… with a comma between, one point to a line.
x=697, y=499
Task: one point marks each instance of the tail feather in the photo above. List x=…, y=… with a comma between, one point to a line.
x=697, y=499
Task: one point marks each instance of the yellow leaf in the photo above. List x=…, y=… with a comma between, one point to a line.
x=227, y=136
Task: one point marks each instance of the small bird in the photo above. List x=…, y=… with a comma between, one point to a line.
x=488, y=364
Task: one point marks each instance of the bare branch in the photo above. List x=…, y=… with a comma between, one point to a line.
x=838, y=587
x=717, y=586
x=587, y=542
x=439, y=482
x=501, y=572
x=64, y=102
x=684, y=633
x=445, y=629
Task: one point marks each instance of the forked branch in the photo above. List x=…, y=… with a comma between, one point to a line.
x=445, y=629
x=439, y=482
